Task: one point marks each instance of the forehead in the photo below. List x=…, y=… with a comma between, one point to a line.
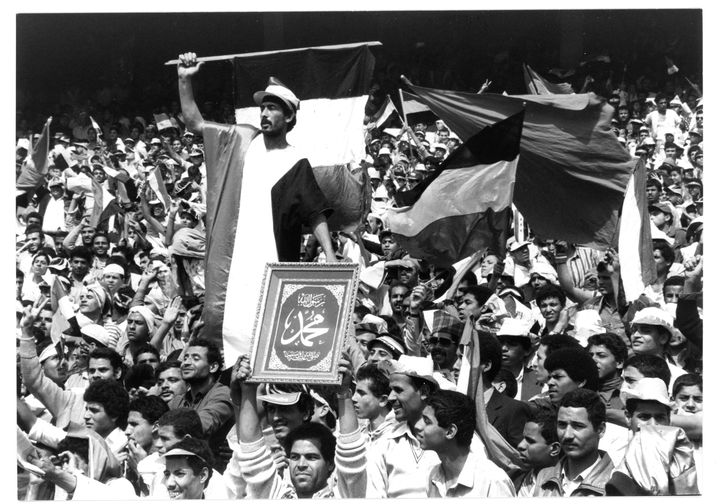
x=99, y=363
x=599, y=348
x=306, y=447
x=690, y=390
x=400, y=380
x=146, y=356
x=196, y=350
x=175, y=463
x=136, y=317
x=136, y=416
x=570, y=414
x=173, y=371
x=533, y=430
x=167, y=431
x=632, y=372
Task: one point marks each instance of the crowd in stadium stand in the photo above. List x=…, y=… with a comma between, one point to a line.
x=121, y=394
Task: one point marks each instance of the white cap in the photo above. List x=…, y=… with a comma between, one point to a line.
x=647, y=389
x=279, y=90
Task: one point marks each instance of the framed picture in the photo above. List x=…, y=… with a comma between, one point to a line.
x=303, y=317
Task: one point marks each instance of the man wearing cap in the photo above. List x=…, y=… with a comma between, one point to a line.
x=188, y=469
x=52, y=207
x=652, y=329
x=397, y=464
x=662, y=215
x=443, y=343
x=264, y=188
x=514, y=337
x=659, y=458
x=319, y=466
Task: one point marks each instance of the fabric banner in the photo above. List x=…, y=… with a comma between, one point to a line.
x=572, y=172
x=635, y=249
x=332, y=84
x=537, y=85
x=466, y=204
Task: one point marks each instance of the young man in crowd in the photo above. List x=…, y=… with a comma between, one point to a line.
x=372, y=390
x=446, y=427
x=609, y=352
x=539, y=448
x=583, y=469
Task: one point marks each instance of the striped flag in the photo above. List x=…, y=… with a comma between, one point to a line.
x=411, y=104
x=572, y=173
x=467, y=203
x=537, y=85
x=332, y=83
x=635, y=248
x=386, y=115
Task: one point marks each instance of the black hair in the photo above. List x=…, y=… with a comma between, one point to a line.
x=588, y=399
x=214, y=353
x=81, y=252
x=184, y=421
x=554, y=342
x=145, y=348
x=451, y=407
x=481, y=293
x=522, y=341
x=76, y=445
x=674, y=281
x=577, y=363
x=546, y=419
x=150, y=407
x=652, y=181
x=111, y=355
x=612, y=342
x=316, y=431
x=378, y=382
x=650, y=366
x=490, y=351
x=202, y=459
x=550, y=291
x=470, y=278
x=687, y=380
x=164, y=366
x=113, y=398
x=398, y=283
x=34, y=229
x=139, y=375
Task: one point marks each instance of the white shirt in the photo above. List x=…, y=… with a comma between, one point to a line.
x=570, y=485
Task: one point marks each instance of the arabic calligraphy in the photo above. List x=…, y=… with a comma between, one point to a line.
x=306, y=332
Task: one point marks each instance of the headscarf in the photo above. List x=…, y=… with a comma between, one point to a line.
x=188, y=242
x=146, y=314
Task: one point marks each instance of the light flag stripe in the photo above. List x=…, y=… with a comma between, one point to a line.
x=457, y=192
x=328, y=131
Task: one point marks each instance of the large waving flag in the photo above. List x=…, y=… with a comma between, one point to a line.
x=572, y=173
x=467, y=203
x=537, y=85
x=635, y=248
x=332, y=83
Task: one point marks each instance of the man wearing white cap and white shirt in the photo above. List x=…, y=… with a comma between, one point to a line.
x=262, y=188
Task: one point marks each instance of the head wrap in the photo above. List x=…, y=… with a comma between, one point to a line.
x=146, y=314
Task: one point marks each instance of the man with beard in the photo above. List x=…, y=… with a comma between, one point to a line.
x=266, y=189
x=202, y=362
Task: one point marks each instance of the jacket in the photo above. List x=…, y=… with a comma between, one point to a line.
x=549, y=479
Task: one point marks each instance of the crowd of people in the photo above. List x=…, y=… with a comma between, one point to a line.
x=121, y=394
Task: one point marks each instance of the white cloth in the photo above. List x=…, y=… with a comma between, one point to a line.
x=54, y=218
x=254, y=242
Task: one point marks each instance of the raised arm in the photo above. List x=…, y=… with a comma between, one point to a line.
x=188, y=67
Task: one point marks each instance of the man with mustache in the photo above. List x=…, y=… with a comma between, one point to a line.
x=265, y=188
x=584, y=469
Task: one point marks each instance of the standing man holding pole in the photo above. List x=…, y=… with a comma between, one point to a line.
x=261, y=191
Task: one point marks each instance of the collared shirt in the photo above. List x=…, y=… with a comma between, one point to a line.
x=479, y=477
x=214, y=407
x=569, y=485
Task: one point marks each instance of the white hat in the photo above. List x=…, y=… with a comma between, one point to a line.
x=48, y=351
x=514, y=327
x=647, y=389
x=99, y=334
x=23, y=143
x=384, y=150
x=654, y=316
x=546, y=271
x=518, y=245
x=419, y=367
x=279, y=90
x=373, y=173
